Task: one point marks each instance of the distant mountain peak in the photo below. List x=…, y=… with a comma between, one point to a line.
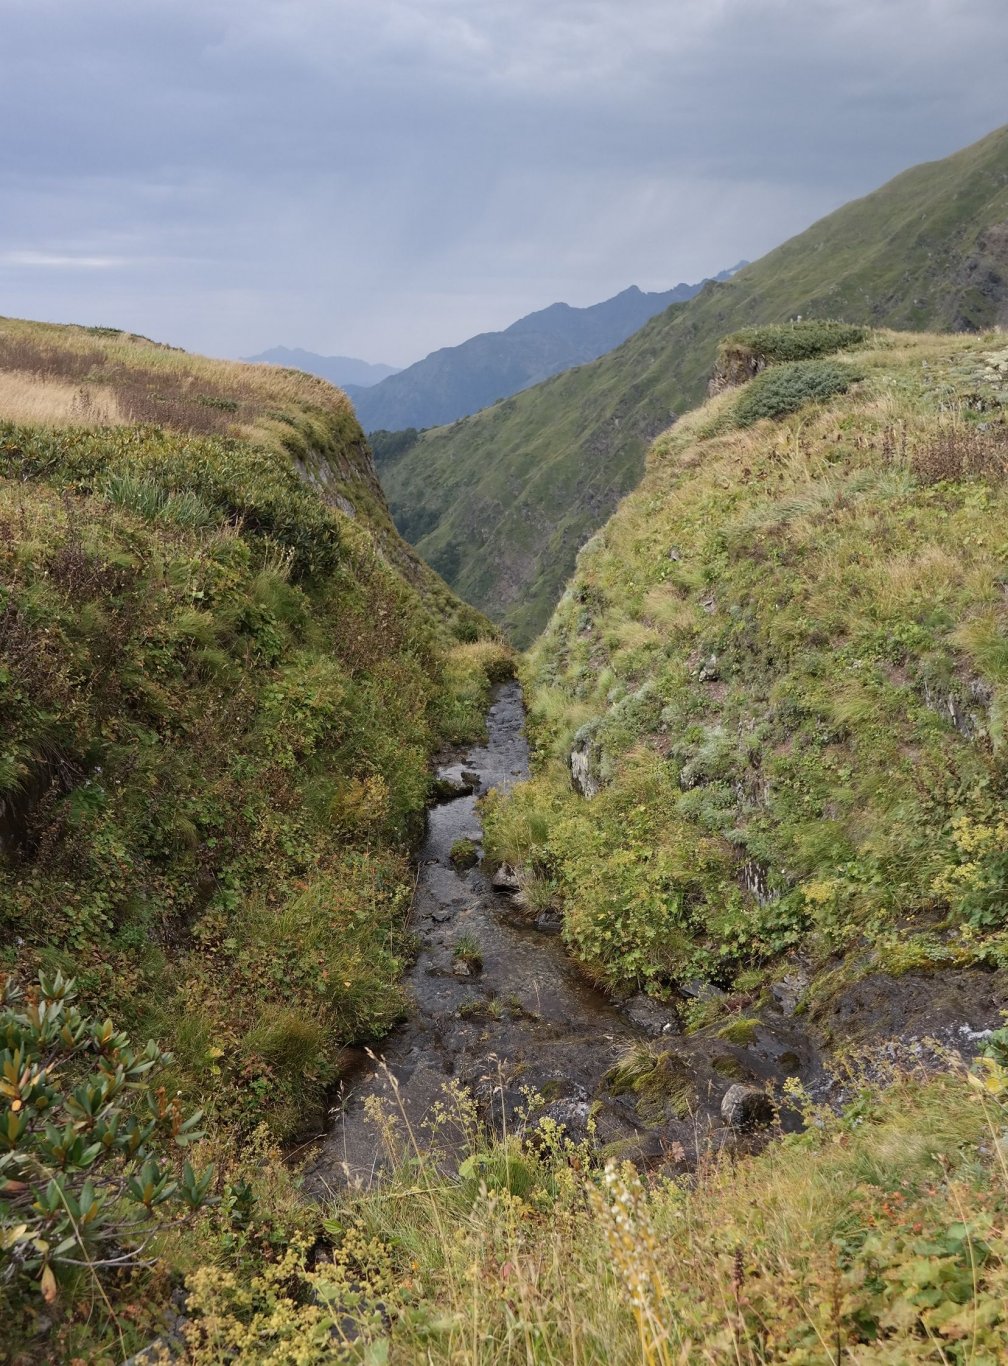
x=339, y=370
x=456, y=381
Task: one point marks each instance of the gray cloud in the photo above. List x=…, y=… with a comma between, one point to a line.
x=379, y=177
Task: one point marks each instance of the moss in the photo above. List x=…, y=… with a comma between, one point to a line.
x=741, y=1031
x=727, y=1065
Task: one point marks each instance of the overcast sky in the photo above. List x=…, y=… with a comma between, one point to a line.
x=381, y=177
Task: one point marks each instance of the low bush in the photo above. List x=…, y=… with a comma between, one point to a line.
x=786, y=388
x=775, y=344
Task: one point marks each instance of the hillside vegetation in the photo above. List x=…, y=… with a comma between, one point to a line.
x=500, y=502
x=222, y=676
x=782, y=667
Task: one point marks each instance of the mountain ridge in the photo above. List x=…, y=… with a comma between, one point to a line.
x=500, y=501
x=456, y=381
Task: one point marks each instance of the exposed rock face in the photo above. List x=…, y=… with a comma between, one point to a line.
x=790, y=989
x=735, y=368
x=755, y=880
x=581, y=775
x=983, y=282
x=966, y=707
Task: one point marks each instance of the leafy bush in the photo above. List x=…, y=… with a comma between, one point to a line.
x=786, y=388
x=464, y=854
x=83, y=1185
x=772, y=345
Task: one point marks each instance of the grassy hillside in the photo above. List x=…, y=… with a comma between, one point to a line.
x=222, y=676
x=783, y=665
x=500, y=502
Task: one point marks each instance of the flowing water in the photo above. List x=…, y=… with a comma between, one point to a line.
x=526, y=1020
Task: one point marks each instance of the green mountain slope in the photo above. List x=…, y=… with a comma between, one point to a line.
x=780, y=674
x=222, y=676
x=500, y=501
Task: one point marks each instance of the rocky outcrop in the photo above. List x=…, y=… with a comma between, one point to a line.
x=505, y=879
x=736, y=366
x=581, y=774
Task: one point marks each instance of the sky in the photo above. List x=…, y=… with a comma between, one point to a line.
x=378, y=178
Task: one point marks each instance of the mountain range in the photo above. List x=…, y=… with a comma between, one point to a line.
x=458, y=380
x=343, y=371
x=500, y=501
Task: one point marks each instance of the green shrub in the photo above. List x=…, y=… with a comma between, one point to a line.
x=786, y=388
x=83, y=1179
x=793, y=341
x=464, y=854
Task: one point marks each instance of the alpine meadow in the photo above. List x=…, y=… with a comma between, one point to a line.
x=529, y=891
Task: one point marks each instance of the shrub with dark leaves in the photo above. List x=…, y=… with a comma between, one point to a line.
x=84, y=1180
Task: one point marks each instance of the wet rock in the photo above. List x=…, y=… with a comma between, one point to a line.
x=472, y=778
x=745, y=1107
x=571, y=1114
x=651, y=1017
x=549, y=921
x=447, y=790
x=918, y=1004
x=701, y=991
x=790, y=989
x=505, y=879
x=498, y=1104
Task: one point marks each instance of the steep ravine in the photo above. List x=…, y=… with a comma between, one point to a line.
x=528, y=1020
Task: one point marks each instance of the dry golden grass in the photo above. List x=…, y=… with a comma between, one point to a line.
x=75, y=375
x=27, y=399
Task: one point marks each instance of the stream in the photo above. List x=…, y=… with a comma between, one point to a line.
x=526, y=1019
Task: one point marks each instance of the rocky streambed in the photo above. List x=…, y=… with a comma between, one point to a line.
x=499, y=1009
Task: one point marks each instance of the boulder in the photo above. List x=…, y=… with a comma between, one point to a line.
x=581, y=775
x=505, y=879
x=746, y=1107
